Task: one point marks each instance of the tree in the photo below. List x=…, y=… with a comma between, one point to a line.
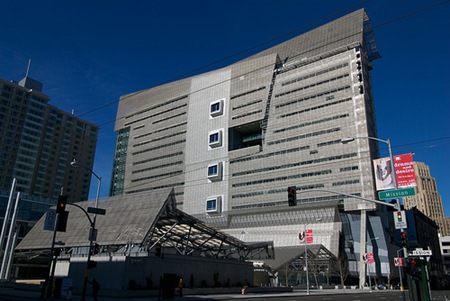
x=343, y=269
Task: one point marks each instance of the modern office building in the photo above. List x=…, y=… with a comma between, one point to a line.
x=231, y=142
x=38, y=141
x=427, y=198
x=445, y=252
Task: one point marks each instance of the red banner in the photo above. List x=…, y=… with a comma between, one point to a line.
x=309, y=236
x=404, y=171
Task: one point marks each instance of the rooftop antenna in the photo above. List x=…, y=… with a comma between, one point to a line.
x=28, y=69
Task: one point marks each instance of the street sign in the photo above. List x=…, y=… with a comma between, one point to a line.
x=50, y=220
x=398, y=261
x=370, y=258
x=420, y=252
x=306, y=236
x=396, y=193
x=400, y=219
x=94, y=210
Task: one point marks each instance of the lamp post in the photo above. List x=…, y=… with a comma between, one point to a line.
x=306, y=257
x=388, y=142
x=363, y=211
x=92, y=231
x=368, y=271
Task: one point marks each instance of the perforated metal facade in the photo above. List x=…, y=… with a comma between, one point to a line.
x=270, y=121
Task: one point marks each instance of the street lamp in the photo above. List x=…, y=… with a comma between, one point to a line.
x=388, y=142
x=92, y=231
x=306, y=257
x=368, y=271
x=363, y=211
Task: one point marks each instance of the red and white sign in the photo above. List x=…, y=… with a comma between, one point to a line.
x=370, y=258
x=398, y=261
x=404, y=171
x=309, y=236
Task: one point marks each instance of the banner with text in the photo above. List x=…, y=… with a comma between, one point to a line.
x=404, y=172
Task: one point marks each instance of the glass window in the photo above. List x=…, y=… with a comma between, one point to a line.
x=212, y=170
x=213, y=204
x=216, y=108
x=215, y=139
x=215, y=171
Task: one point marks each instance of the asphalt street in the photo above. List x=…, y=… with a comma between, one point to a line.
x=11, y=294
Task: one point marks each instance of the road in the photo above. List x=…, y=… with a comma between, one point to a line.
x=9, y=294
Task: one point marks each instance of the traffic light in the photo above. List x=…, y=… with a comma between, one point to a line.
x=292, y=196
x=404, y=238
x=96, y=249
x=62, y=221
x=399, y=217
x=158, y=249
x=61, y=206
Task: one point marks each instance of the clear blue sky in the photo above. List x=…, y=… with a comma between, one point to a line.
x=89, y=53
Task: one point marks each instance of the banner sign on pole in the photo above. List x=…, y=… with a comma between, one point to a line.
x=301, y=236
x=309, y=236
x=404, y=171
x=384, y=175
x=398, y=261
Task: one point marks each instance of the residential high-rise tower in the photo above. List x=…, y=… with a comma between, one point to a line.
x=38, y=141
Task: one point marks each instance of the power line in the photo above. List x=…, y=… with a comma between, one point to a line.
x=365, y=155
x=266, y=42
x=194, y=71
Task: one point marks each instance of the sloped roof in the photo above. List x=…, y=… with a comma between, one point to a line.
x=143, y=220
x=128, y=218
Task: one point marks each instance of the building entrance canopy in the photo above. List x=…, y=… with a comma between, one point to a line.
x=294, y=258
x=140, y=223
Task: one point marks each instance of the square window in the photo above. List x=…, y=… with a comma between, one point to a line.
x=215, y=139
x=212, y=170
x=215, y=171
x=214, y=204
x=216, y=108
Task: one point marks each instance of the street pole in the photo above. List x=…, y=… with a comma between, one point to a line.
x=306, y=264
x=306, y=256
x=368, y=263
x=362, y=267
x=400, y=274
x=92, y=230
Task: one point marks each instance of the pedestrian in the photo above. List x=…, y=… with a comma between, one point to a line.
x=244, y=287
x=95, y=289
x=180, y=287
x=69, y=294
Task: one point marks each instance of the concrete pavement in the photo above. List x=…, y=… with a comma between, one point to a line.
x=35, y=295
